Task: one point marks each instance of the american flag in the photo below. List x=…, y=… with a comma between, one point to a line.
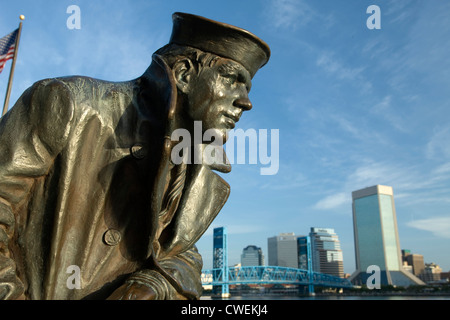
x=7, y=47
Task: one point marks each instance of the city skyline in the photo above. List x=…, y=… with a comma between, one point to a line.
x=265, y=257
x=385, y=190
x=354, y=106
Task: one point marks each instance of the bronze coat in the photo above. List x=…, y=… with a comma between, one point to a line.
x=84, y=175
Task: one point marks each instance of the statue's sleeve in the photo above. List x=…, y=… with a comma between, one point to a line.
x=174, y=277
x=184, y=271
x=31, y=135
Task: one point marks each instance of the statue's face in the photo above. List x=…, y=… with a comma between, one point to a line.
x=219, y=95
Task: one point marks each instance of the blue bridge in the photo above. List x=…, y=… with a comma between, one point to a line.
x=271, y=275
x=223, y=276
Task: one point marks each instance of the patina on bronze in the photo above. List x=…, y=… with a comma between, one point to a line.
x=86, y=177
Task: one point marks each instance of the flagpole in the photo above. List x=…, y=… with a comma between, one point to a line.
x=11, y=73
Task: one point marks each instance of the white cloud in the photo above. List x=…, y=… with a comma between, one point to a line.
x=439, y=226
x=442, y=169
x=421, y=60
x=336, y=68
x=401, y=177
x=374, y=173
x=385, y=110
x=346, y=125
x=438, y=146
x=333, y=66
x=333, y=201
x=289, y=14
x=407, y=182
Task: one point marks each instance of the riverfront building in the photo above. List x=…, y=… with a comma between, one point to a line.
x=414, y=261
x=252, y=256
x=283, y=250
x=326, y=252
x=376, y=237
x=431, y=273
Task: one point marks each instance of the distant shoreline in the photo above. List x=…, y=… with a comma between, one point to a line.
x=268, y=296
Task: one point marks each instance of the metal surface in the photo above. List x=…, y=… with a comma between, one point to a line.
x=87, y=181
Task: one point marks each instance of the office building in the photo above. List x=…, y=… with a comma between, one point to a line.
x=416, y=262
x=376, y=237
x=326, y=252
x=431, y=273
x=283, y=250
x=252, y=256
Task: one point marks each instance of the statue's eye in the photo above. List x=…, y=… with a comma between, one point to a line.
x=231, y=78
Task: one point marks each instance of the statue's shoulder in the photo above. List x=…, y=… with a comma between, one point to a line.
x=83, y=93
x=83, y=86
x=48, y=96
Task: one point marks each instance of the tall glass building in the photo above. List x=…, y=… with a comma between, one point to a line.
x=376, y=237
x=326, y=252
x=252, y=256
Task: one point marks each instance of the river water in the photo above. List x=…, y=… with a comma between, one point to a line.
x=331, y=297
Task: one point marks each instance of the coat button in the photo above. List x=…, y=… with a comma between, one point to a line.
x=112, y=237
x=138, y=151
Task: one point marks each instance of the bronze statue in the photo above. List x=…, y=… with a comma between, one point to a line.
x=87, y=183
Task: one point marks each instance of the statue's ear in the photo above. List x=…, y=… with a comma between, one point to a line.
x=184, y=72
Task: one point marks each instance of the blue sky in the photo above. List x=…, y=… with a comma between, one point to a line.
x=354, y=107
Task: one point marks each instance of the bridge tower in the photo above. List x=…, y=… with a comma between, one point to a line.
x=305, y=259
x=220, y=260
x=310, y=268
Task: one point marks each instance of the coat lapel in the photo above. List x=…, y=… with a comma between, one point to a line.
x=204, y=196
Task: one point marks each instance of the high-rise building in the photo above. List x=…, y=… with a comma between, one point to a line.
x=304, y=253
x=326, y=252
x=252, y=256
x=416, y=262
x=283, y=250
x=376, y=237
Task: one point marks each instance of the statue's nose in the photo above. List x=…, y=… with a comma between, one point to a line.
x=243, y=103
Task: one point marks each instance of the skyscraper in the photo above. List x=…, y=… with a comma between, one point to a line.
x=252, y=256
x=326, y=252
x=283, y=250
x=376, y=237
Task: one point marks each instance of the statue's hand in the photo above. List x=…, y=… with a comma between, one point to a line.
x=133, y=291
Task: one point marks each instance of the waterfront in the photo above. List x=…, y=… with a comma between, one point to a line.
x=330, y=297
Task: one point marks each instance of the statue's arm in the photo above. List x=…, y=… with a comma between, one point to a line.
x=183, y=272
x=31, y=135
x=173, y=278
